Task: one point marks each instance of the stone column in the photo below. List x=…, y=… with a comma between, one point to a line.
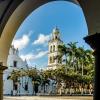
x=94, y=42
x=2, y=68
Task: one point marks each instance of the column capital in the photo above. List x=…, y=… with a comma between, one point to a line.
x=2, y=68
x=93, y=41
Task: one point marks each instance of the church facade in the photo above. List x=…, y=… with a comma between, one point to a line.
x=24, y=86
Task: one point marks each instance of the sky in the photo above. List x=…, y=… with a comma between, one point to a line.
x=32, y=36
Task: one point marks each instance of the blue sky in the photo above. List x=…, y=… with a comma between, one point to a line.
x=33, y=34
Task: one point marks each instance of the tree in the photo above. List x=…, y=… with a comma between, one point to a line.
x=79, y=63
x=45, y=75
x=33, y=73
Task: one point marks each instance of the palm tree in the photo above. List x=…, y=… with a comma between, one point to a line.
x=82, y=60
x=67, y=52
x=73, y=49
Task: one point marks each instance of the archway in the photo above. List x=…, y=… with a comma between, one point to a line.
x=75, y=14
x=22, y=11
x=91, y=12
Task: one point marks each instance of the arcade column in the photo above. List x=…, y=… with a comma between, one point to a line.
x=94, y=42
x=2, y=68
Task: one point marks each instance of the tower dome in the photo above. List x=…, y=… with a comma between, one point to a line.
x=56, y=30
x=55, y=33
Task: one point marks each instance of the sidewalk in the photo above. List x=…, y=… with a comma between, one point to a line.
x=49, y=98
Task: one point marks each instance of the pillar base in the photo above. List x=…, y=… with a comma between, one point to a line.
x=94, y=42
x=2, y=68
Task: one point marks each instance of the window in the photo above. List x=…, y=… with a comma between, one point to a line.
x=15, y=85
x=53, y=60
x=26, y=87
x=15, y=63
x=51, y=49
x=50, y=60
x=54, y=48
x=56, y=37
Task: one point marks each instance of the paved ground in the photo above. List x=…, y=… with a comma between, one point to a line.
x=49, y=98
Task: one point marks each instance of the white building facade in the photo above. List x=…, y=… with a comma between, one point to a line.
x=24, y=86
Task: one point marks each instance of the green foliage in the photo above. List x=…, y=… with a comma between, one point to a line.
x=79, y=65
x=79, y=68
x=15, y=74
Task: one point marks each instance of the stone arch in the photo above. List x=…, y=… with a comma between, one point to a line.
x=15, y=20
x=91, y=9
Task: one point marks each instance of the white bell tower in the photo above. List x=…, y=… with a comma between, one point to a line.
x=53, y=60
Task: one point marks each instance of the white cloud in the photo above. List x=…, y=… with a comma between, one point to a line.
x=38, y=49
x=41, y=54
x=22, y=42
x=31, y=56
x=42, y=39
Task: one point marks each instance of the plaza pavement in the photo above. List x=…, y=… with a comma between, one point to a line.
x=48, y=98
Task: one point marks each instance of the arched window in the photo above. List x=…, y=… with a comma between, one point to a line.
x=50, y=48
x=26, y=87
x=50, y=60
x=53, y=59
x=55, y=37
x=14, y=63
x=54, y=48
